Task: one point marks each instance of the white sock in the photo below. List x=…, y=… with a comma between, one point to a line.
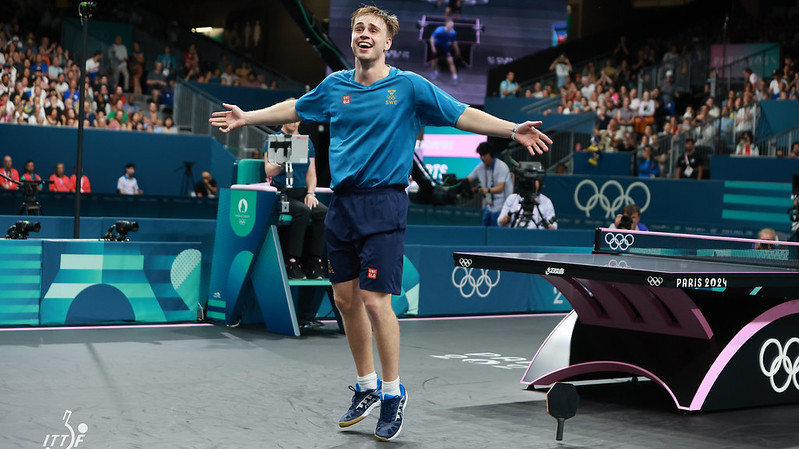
x=391, y=388
x=368, y=382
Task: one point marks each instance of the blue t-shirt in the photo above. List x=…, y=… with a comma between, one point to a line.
x=442, y=38
x=299, y=169
x=373, y=128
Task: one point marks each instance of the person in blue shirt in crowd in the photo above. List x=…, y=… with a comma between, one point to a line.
x=375, y=113
x=648, y=167
x=441, y=41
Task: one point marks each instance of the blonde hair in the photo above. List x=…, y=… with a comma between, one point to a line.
x=392, y=24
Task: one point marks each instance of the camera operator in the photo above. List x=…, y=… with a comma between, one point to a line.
x=493, y=178
x=527, y=207
x=629, y=219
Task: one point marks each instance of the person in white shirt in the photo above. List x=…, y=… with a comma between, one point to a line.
x=752, y=77
x=127, y=184
x=119, y=61
x=538, y=211
x=493, y=177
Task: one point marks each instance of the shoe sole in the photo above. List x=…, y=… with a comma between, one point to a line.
x=360, y=418
x=392, y=437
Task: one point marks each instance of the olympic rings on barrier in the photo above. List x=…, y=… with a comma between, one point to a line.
x=654, y=281
x=600, y=198
x=469, y=284
x=619, y=241
x=782, y=362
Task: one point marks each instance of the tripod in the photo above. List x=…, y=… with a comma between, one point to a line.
x=30, y=206
x=187, y=183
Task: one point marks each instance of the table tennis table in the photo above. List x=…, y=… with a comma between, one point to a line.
x=714, y=321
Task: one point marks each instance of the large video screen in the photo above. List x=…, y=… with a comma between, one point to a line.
x=488, y=32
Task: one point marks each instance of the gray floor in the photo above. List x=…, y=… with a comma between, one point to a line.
x=216, y=387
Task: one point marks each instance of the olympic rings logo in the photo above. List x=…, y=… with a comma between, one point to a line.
x=600, y=198
x=613, y=263
x=466, y=263
x=619, y=241
x=468, y=284
x=782, y=362
x=654, y=281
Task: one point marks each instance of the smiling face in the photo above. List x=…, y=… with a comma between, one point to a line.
x=370, y=39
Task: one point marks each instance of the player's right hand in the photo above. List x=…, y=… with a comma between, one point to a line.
x=228, y=120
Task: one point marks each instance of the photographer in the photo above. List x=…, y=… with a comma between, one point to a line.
x=629, y=219
x=527, y=207
x=493, y=177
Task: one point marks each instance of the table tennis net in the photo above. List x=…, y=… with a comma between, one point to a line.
x=698, y=247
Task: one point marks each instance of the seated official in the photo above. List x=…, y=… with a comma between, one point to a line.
x=536, y=213
x=303, y=206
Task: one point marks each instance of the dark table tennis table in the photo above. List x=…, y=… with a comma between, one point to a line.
x=717, y=332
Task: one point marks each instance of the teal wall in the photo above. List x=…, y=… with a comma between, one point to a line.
x=159, y=158
x=777, y=116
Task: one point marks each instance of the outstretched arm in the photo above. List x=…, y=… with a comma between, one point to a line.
x=479, y=122
x=234, y=117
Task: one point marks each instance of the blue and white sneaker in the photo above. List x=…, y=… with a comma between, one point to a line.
x=392, y=411
x=363, y=402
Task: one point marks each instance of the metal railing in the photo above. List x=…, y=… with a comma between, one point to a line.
x=781, y=143
x=715, y=137
x=564, y=144
x=193, y=108
x=733, y=70
x=180, y=37
x=690, y=71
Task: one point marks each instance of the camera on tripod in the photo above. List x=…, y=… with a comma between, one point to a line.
x=529, y=177
x=527, y=173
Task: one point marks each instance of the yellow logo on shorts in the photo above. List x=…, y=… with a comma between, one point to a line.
x=329, y=266
x=391, y=98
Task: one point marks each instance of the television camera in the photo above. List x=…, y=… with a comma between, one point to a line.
x=30, y=204
x=450, y=190
x=527, y=173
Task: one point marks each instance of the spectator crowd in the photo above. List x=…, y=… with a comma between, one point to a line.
x=638, y=104
x=39, y=82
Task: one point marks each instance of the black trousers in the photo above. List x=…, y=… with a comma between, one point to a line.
x=300, y=215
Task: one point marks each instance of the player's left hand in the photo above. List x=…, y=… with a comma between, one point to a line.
x=534, y=140
x=311, y=201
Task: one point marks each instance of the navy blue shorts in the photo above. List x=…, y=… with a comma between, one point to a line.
x=365, y=232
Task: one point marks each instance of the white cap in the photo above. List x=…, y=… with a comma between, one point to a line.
x=669, y=73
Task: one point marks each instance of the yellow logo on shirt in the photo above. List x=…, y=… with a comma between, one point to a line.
x=391, y=98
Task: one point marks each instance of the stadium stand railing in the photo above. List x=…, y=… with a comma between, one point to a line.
x=780, y=142
x=756, y=61
x=207, y=48
x=193, y=107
